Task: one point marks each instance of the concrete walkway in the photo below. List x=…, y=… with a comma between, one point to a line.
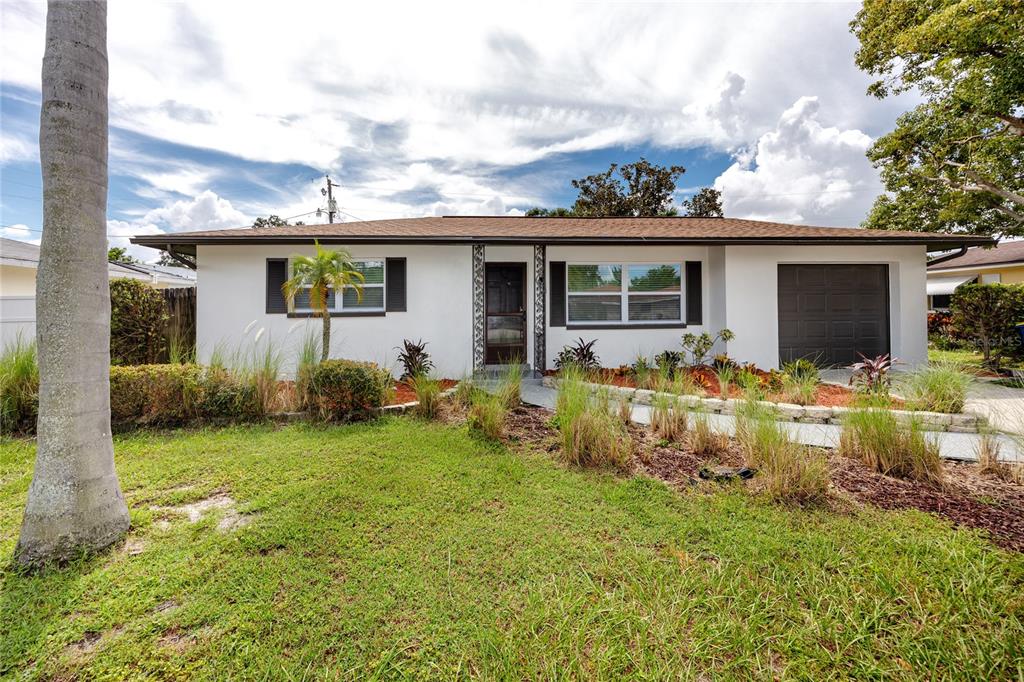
x=957, y=446
x=1002, y=406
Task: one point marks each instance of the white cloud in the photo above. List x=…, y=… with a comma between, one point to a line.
x=16, y=149
x=206, y=211
x=801, y=172
x=463, y=85
x=21, y=233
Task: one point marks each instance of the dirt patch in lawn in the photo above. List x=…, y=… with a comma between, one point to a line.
x=968, y=498
x=231, y=519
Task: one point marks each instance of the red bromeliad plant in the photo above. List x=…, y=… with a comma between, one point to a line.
x=871, y=375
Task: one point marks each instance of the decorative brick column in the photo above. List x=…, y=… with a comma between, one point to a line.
x=479, y=331
x=540, y=296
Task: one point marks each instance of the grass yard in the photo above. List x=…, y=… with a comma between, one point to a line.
x=405, y=549
x=965, y=358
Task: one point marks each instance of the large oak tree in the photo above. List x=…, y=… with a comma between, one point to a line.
x=956, y=161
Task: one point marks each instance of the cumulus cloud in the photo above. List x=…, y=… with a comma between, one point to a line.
x=206, y=211
x=801, y=171
x=20, y=232
x=468, y=91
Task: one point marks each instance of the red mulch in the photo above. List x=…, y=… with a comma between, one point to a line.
x=968, y=498
x=827, y=395
x=404, y=393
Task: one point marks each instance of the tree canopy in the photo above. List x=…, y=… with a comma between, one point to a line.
x=119, y=254
x=706, y=203
x=634, y=189
x=954, y=162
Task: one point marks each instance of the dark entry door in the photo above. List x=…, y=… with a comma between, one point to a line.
x=832, y=314
x=506, y=313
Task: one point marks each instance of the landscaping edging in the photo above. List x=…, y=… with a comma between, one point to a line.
x=788, y=412
x=400, y=408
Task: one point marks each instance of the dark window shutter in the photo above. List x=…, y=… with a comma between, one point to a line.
x=277, y=273
x=694, y=292
x=556, y=287
x=395, y=285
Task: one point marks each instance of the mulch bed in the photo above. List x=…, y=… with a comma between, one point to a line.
x=968, y=499
x=404, y=393
x=826, y=395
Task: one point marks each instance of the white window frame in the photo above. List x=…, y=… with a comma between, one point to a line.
x=339, y=301
x=624, y=294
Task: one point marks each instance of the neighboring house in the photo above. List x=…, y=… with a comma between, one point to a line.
x=1003, y=263
x=18, y=264
x=485, y=290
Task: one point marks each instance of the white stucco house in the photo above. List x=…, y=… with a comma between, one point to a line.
x=484, y=290
x=18, y=264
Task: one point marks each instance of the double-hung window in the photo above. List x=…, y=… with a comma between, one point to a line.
x=624, y=293
x=372, y=300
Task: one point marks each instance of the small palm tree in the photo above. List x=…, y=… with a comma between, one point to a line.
x=319, y=274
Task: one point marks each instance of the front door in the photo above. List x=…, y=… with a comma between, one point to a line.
x=506, y=313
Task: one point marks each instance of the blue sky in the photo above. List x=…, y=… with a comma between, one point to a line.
x=220, y=116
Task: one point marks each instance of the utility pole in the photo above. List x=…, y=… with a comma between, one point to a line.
x=332, y=207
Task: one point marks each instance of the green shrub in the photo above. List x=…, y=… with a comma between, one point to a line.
x=224, y=396
x=876, y=438
x=986, y=314
x=428, y=395
x=155, y=395
x=348, y=390
x=138, y=322
x=940, y=387
x=487, y=414
x=801, y=368
x=19, y=388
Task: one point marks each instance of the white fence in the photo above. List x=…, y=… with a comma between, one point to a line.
x=17, y=318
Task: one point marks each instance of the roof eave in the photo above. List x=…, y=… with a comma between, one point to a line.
x=930, y=242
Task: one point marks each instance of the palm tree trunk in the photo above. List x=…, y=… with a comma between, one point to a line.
x=325, y=345
x=74, y=501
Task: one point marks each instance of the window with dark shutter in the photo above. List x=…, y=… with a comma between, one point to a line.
x=277, y=273
x=556, y=288
x=694, y=293
x=396, y=285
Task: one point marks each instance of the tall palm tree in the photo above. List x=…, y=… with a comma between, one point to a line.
x=74, y=501
x=319, y=275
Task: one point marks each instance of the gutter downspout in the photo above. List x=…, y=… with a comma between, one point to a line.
x=948, y=256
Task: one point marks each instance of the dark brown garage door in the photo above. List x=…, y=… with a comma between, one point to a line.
x=832, y=314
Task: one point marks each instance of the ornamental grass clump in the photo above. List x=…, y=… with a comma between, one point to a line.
x=799, y=389
x=939, y=387
x=19, y=388
x=591, y=434
x=428, y=396
x=876, y=438
x=704, y=439
x=487, y=415
x=787, y=471
x=509, y=384
x=668, y=417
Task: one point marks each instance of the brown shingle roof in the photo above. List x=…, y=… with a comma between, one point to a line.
x=465, y=229
x=1006, y=252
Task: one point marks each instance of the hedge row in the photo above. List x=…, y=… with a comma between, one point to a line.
x=178, y=395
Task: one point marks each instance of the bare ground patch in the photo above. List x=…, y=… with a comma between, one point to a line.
x=231, y=518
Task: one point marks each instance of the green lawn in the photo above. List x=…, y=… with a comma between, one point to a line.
x=401, y=549
x=967, y=358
